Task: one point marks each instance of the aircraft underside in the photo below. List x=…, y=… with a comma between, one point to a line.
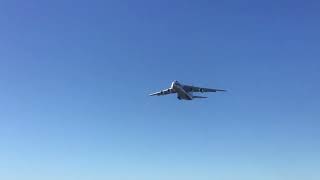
x=181, y=96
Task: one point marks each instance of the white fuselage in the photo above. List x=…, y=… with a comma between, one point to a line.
x=182, y=94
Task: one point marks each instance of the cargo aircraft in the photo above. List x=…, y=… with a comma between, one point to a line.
x=184, y=92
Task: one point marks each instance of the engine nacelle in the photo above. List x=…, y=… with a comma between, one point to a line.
x=201, y=90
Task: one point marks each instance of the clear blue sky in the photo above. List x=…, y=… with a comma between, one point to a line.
x=74, y=79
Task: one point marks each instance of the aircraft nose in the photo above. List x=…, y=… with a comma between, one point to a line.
x=173, y=83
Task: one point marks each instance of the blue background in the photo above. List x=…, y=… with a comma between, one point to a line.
x=75, y=78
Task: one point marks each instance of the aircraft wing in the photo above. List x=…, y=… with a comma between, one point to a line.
x=163, y=92
x=200, y=89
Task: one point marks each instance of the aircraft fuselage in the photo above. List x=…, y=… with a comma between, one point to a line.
x=181, y=92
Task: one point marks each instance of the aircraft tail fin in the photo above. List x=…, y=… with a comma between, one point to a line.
x=199, y=97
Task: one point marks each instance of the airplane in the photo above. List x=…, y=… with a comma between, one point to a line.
x=184, y=92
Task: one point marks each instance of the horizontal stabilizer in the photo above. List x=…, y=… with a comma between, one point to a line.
x=199, y=97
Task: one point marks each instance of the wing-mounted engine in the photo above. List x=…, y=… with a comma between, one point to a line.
x=167, y=91
x=163, y=92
